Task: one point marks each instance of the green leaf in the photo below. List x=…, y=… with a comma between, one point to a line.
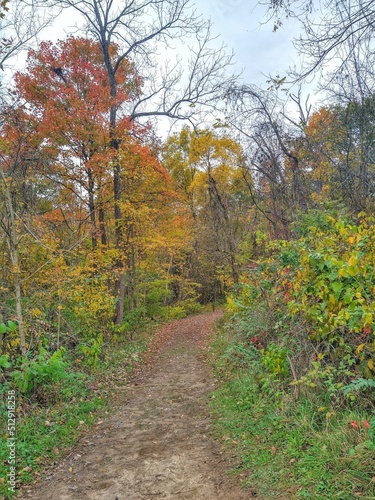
x=12, y=326
x=348, y=297
x=4, y=363
x=3, y=328
x=337, y=287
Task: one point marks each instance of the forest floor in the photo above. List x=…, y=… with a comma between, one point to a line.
x=156, y=441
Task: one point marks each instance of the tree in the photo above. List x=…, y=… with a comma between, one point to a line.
x=19, y=153
x=325, y=33
x=139, y=28
x=261, y=119
x=337, y=41
x=206, y=170
x=66, y=87
x=339, y=152
x=19, y=27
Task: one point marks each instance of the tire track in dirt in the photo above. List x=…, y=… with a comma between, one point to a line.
x=157, y=442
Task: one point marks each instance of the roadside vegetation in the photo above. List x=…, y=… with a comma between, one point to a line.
x=295, y=359
x=60, y=395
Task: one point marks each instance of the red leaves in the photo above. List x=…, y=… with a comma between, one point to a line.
x=366, y=424
x=355, y=425
x=68, y=88
x=366, y=330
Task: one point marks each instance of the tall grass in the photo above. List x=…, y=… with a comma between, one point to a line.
x=288, y=446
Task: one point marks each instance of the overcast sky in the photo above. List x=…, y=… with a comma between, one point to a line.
x=242, y=27
x=240, y=24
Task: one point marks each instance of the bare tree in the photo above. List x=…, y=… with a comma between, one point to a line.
x=264, y=124
x=325, y=28
x=20, y=24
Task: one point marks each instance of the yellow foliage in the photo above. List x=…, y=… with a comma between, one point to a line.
x=359, y=348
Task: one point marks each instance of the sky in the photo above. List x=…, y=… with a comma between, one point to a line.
x=242, y=26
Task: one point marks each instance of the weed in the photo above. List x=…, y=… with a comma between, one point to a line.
x=57, y=400
x=287, y=446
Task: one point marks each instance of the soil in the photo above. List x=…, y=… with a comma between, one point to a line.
x=156, y=443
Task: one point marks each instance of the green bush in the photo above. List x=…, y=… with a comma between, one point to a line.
x=319, y=293
x=44, y=370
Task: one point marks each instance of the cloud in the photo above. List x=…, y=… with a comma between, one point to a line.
x=242, y=26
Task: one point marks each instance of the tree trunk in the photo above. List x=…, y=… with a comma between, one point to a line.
x=120, y=285
x=12, y=242
x=21, y=326
x=92, y=209
x=120, y=297
x=103, y=232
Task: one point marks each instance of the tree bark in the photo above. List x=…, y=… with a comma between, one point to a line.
x=12, y=242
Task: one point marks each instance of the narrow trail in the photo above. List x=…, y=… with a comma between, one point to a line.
x=156, y=443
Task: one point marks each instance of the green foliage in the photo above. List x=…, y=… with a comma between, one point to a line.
x=84, y=298
x=4, y=361
x=190, y=306
x=175, y=312
x=92, y=350
x=11, y=326
x=274, y=358
x=359, y=384
x=316, y=220
x=297, y=366
x=9, y=339
x=63, y=403
x=134, y=320
x=44, y=370
x=286, y=445
x=334, y=287
x=45, y=431
x=323, y=283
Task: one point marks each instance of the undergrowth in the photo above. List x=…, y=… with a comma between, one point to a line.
x=291, y=441
x=57, y=399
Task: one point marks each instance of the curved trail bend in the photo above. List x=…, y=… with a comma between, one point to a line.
x=156, y=444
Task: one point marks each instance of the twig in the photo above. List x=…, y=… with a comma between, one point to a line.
x=294, y=377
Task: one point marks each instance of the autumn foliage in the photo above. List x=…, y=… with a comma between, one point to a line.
x=106, y=225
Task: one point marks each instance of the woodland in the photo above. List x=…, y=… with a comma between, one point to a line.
x=261, y=201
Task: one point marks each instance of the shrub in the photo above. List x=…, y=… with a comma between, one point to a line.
x=44, y=370
x=319, y=293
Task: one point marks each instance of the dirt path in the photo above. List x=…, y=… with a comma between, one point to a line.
x=157, y=442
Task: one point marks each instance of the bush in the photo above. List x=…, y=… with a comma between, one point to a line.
x=319, y=302
x=288, y=443
x=46, y=369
